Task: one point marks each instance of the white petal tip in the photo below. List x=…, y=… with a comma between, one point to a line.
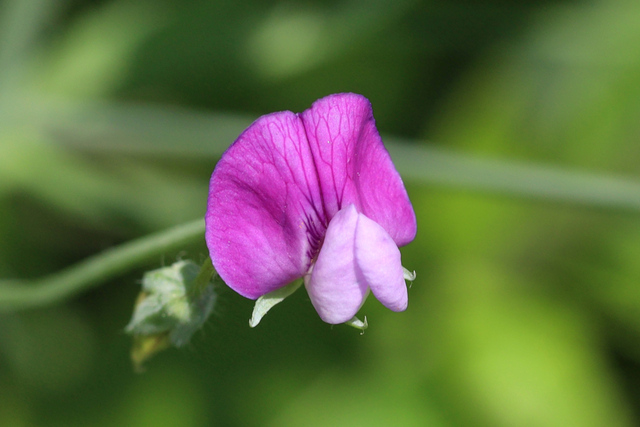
x=409, y=275
x=358, y=324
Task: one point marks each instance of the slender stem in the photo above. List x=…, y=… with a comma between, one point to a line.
x=425, y=165
x=23, y=294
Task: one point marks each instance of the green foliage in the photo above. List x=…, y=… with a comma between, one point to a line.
x=526, y=306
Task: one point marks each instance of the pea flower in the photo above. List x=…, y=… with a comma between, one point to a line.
x=313, y=196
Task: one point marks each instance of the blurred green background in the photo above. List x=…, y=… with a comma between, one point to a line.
x=525, y=312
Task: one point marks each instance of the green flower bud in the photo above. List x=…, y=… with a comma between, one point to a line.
x=174, y=303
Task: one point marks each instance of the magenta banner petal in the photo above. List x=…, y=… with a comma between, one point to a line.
x=353, y=165
x=378, y=259
x=336, y=289
x=264, y=219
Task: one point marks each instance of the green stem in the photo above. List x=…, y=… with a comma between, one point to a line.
x=426, y=165
x=23, y=294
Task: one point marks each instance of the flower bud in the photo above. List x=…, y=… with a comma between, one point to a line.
x=174, y=303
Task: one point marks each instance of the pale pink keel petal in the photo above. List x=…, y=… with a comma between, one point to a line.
x=335, y=287
x=378, y=258
x=354, y=166
x=264, y=221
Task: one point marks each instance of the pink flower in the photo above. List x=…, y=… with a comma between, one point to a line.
x=315, y=196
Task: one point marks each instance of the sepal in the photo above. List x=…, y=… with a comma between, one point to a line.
x=267, y=301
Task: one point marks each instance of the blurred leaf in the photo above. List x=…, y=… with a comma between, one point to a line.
x=21, y=23
x=148, y=130
x=99, y=193
x=94, y=55
x=292, y=40
x=567, y=95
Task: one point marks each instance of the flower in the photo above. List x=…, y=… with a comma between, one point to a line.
x=314, y=196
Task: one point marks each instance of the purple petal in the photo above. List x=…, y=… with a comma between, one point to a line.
x=353, y=165
x=378, y=259
x=264, y=221
x=336, y=288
